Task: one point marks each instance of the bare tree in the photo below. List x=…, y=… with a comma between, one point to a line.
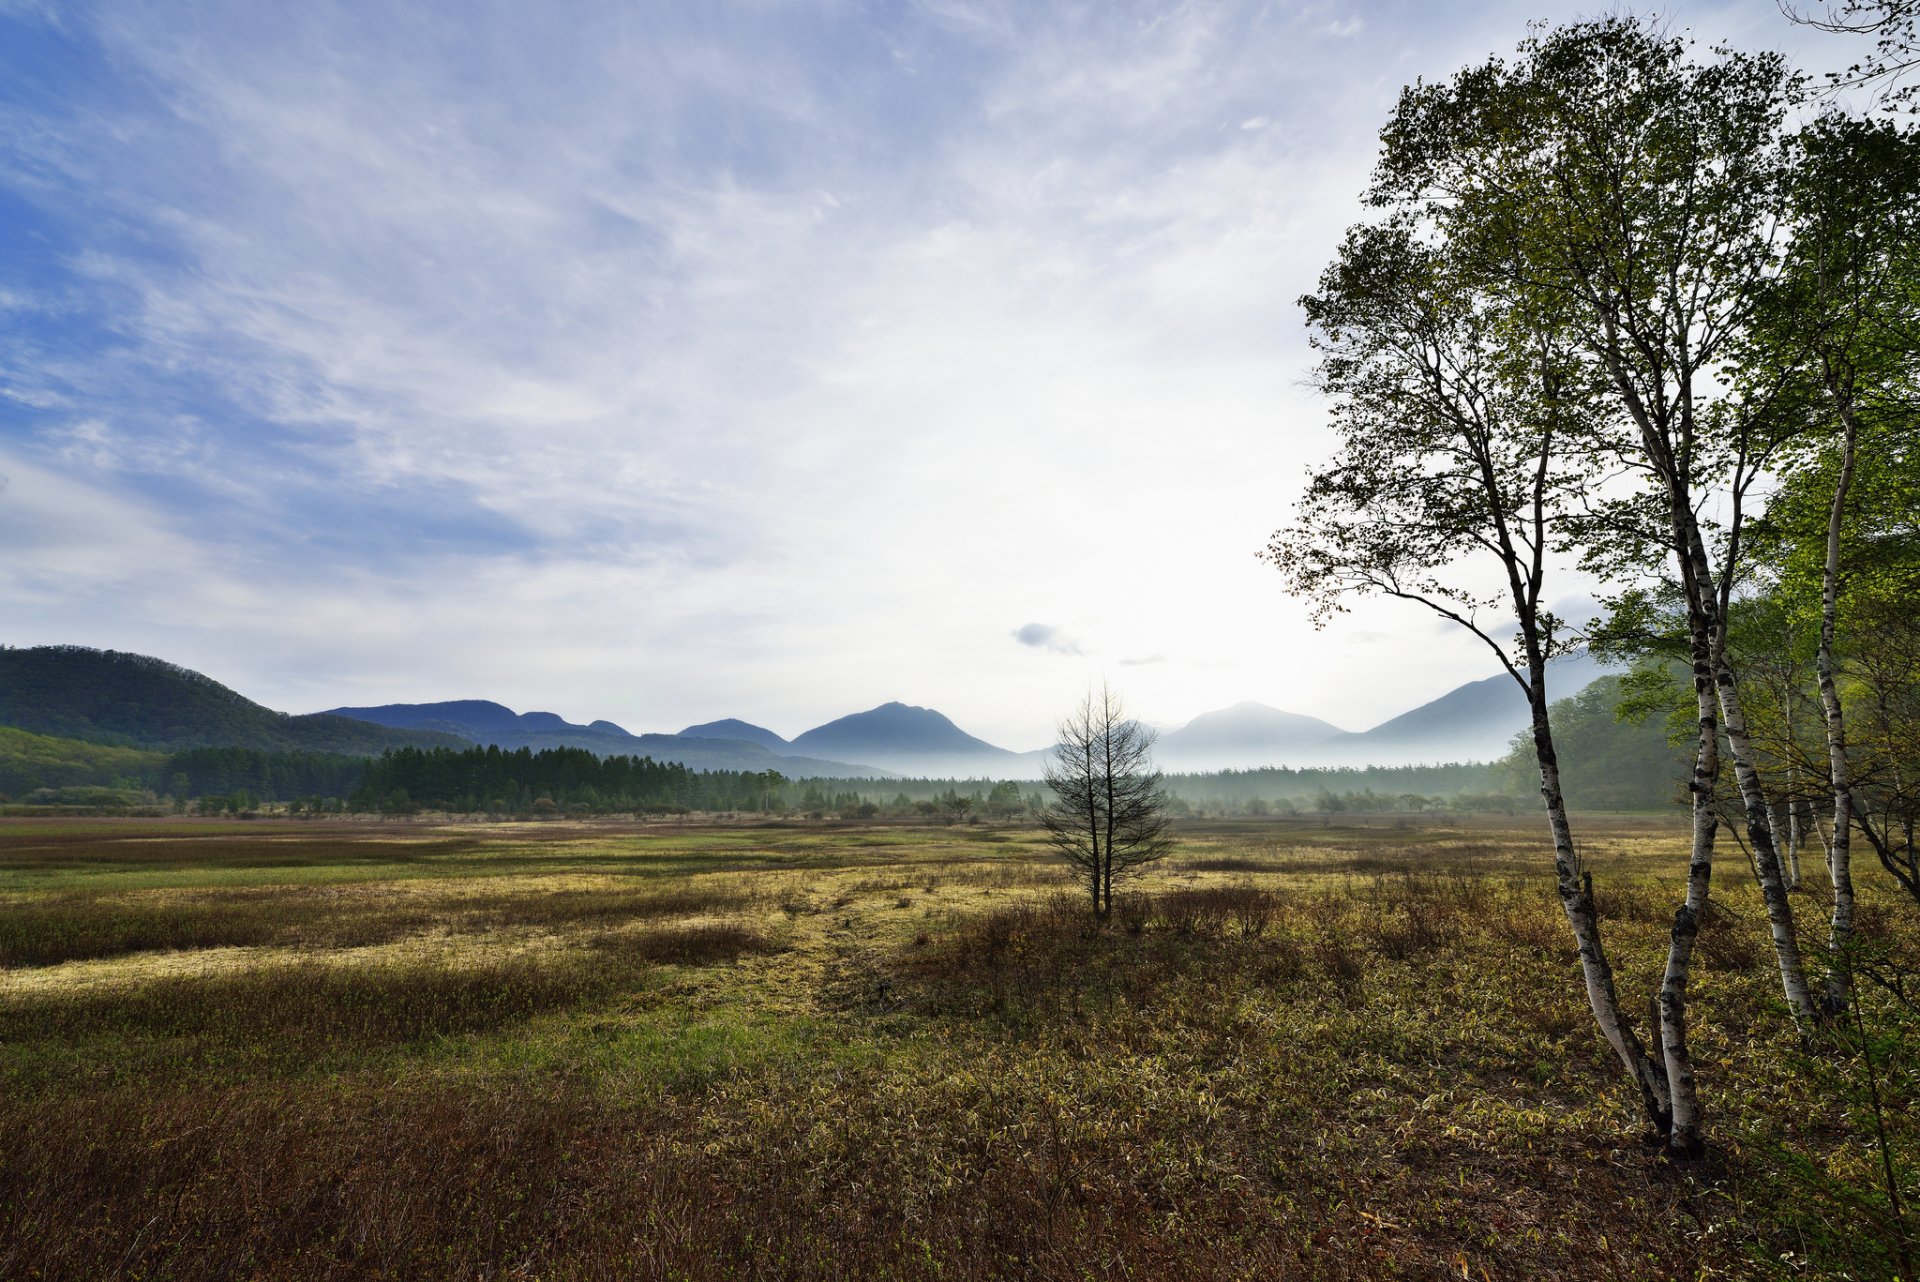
x=1108, y=816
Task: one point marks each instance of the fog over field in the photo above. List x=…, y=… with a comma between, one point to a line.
x=669, y=364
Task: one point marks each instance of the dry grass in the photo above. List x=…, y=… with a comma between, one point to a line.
x=659, y=1051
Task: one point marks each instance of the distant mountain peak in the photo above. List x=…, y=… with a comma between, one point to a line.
x=904, y=736
x=1247, y=734
x=481, y=714
x=734, y=728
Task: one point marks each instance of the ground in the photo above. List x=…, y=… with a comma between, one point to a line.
x=1301, y=1048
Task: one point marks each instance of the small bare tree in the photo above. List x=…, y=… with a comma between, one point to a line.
x=1108, y=816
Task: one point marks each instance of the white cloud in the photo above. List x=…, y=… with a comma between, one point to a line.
x=1047, y=636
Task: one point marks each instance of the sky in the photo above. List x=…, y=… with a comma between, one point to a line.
x=668, y=362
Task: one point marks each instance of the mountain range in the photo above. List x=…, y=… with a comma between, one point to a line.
x=1473, y=722
x=735, y=745
x=132, y=700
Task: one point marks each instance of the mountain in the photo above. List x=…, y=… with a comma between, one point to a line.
x=915, y=741
x=475, y=719
x=131, y=700
x=486, y=722
x=734, y=728
x=1473, y=722
x=1245, y=735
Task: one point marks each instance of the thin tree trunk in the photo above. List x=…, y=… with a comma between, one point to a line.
x=1093, y=834
x=1112, y=806
x=1792, y=787
x=1686, y=1136
x=1707, y=623
x=1839, y=775
x=1576, y=898
x=1777, y=822
x=1796, y=837
x=1766, y=858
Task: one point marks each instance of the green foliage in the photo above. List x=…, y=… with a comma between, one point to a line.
x=1610, y=758
x=29, y=761
x=268, y=776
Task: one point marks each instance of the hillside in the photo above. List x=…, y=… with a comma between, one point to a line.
x=1605, y=763
x=131, y=700
x=1472, y=722
x=1475, y=721
x=29, y=761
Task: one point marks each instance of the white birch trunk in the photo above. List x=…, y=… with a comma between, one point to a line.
x=1576, y=899
x=1707, y=624
x=1785, y=821
x=1686, y=1136
x=1794, y=838
x=1777, y=823
x=1766, y=858
x=1839, y=775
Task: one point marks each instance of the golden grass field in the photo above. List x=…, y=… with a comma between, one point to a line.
x=1358, y=1049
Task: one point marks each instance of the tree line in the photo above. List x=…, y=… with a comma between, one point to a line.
x=514, y=781
x=520, y=781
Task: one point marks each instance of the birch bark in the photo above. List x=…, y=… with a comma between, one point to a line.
x=1840, y=856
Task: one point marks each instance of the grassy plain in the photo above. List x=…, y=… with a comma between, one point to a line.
x=343, y=1049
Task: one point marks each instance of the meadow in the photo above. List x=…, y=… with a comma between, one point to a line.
x=1305, y=1048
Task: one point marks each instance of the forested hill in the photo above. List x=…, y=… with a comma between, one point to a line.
x=1605, y=763
x=131, y=700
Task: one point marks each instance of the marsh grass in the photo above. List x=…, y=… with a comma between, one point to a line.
x=77, y=925
x=655, y=1051
x=326, y=1016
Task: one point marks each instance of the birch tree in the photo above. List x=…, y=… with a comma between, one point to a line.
x=1644, y=190
x=1864, y=571
x=1456, y=479
x=1845, y=317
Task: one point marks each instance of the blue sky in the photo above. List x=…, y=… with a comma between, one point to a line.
x=664, y=363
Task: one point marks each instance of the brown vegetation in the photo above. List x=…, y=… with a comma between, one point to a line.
x=739, y=1058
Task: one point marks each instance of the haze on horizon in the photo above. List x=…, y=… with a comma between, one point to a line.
x=768, y=361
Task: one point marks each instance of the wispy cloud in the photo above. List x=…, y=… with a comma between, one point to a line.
x=1045, y=636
